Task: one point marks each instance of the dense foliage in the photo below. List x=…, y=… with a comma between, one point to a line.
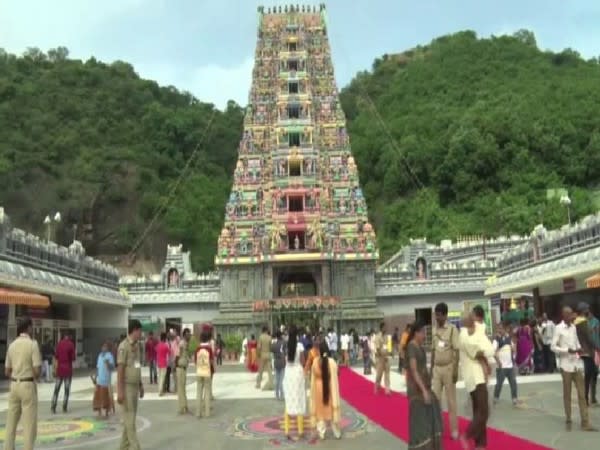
x=105, y=148
x=462, y=136
x=467, y=135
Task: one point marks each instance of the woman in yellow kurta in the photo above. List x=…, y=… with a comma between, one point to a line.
x=325, y=394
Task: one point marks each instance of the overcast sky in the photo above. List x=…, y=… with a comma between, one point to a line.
x=206, y=46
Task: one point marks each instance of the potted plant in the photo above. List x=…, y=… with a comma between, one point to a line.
x=233, y=344
x=237, y=346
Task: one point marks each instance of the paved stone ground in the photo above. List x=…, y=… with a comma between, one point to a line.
x=541, y=417
x=249, y=418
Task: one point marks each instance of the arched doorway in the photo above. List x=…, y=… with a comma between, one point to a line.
x=173, y=278
x=421, y=268
x=296, y=284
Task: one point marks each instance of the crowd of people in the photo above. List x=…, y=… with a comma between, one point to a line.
x=294, y=360
x=572, y=346
x=301, y=368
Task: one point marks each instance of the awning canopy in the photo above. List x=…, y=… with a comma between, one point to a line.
x=593, y=281
x=12, y=297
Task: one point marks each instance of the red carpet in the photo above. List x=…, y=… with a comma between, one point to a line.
x=391, y=413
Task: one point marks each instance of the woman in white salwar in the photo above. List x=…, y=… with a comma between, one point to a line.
x=294, y=389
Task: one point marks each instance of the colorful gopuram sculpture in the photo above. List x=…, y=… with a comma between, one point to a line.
x=296, y=195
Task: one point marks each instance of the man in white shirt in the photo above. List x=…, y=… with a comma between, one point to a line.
x=475, y=347
x=504, y=349
x=332, y=343
x=344, y=343
x=547, y=331
x=565, y=345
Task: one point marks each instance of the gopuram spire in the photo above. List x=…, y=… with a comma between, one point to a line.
x=296, y=206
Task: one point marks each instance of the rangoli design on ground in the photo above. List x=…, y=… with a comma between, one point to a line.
x=67, y=431
x=271, y=429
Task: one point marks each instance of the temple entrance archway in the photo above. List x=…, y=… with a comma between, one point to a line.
x=297, y=280
x=296, y=284
x=314, y=312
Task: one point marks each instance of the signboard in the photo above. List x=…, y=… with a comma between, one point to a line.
x=296, y=303
x=496, y=300
x=569, y=285
x=455, y=318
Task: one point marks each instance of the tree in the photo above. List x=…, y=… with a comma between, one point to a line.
x=485, y=126
x=106, y=148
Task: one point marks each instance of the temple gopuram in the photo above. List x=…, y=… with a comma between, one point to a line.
x=297, y=245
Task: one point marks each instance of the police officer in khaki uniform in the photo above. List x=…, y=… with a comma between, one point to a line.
x=263, y=351
x=181, y=363
x=444, y=363
x=382, y=360
x=129, y=384
x=23, y=367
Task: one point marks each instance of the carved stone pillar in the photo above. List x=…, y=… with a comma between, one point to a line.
x=268, y=285
x=325, y=279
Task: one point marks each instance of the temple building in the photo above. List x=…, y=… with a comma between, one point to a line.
x=297, y=240
x=175, y=297
x=297, y=245
x=407, y=286
x=61, y=288
x=555, y=268
x=421, y=275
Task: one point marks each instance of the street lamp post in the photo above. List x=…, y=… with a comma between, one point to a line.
x=51, y=223
x=566, y=202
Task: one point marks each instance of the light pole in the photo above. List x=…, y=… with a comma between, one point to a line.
x=566, y=201
x=50, y=224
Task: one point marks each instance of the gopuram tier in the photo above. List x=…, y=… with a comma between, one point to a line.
x=297, y=246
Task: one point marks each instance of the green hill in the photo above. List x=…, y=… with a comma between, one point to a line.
x=465, y=136
x=462, y=136
x=105, y=148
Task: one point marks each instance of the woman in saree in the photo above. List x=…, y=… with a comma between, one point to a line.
x=524, y=348
x=103, y=398
x=425, y=417
x=251, y=362
x=325, y=394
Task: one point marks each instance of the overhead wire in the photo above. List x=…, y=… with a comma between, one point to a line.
x=364, y=95
x=161, y=209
